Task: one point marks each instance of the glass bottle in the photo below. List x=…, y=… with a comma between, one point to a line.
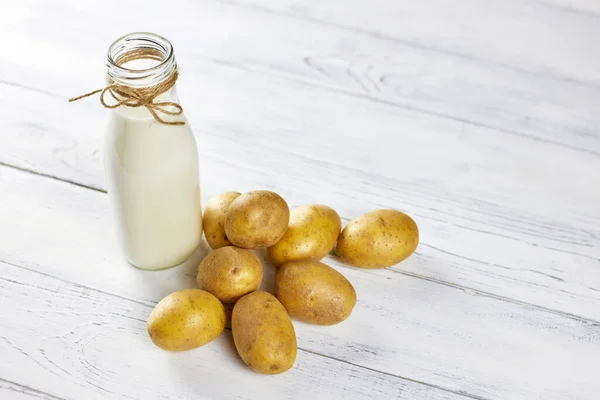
x=151, y=158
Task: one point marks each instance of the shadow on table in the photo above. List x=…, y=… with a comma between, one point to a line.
x=182, y=276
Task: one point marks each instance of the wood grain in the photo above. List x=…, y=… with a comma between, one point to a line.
x=477, y=118
x=590, y=9
x=425, y=80
x=451, y=338
x=520, y=34
x=478, y=205
x=13, y=391
x=79, y=343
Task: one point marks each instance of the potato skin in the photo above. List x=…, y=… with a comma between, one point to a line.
x=213, y=220
x=263, y=333
x=186, y=319
x=378, y=239
x=257, y=219
x=229, y=273
x=312, y=233
x=314, y=292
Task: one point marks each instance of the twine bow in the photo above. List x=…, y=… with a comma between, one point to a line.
x=140, y=97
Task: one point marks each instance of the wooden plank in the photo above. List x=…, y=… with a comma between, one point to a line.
x=544, y=253
x=428, y=80
x=520, y=34
x=527, y=229
x=451, y=338
x=12, y=391
x=80, y=343
x=587, y=8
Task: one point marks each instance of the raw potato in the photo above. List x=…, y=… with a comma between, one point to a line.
x=229, y=273
x=186, y=319
x=378, y=239
x=263, y=333
x=314, y=292
x=312, y=233
x=213, y=220
x=257, y=219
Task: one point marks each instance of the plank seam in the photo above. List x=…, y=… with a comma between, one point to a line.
x=498, y=297
x=29, y=388
x=459, y=393
x=391, y=103
x=406, y=42
x=433, y=280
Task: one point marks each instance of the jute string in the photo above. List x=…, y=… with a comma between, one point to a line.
x=140, y=97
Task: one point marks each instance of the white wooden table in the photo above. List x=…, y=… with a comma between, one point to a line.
x=481, y=119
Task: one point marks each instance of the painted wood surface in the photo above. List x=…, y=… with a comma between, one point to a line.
x=449, y=337
x=439, y=170
x=544, y=37
x=10, y=390
x=77, y=342
x=480, y=119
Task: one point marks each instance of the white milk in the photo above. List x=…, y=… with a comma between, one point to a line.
x=152, y=181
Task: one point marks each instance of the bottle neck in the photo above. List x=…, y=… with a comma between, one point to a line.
x=141, y=74
x=140, y=60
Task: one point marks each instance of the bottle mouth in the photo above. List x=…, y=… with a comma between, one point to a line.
x=136, y=46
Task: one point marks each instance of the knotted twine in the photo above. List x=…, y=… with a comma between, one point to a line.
x=140, y=97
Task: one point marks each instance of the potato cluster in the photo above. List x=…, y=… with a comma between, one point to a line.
x=306, y=289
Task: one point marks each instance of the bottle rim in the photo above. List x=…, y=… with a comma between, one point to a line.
x=143, y=76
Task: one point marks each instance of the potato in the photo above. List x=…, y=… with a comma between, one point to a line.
x=213, y=220
x=314, y=292
x=312, y=233
x=378, y=239
x=229, y=273
x=186, y=319
x=257, y=219
x=263, y=333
